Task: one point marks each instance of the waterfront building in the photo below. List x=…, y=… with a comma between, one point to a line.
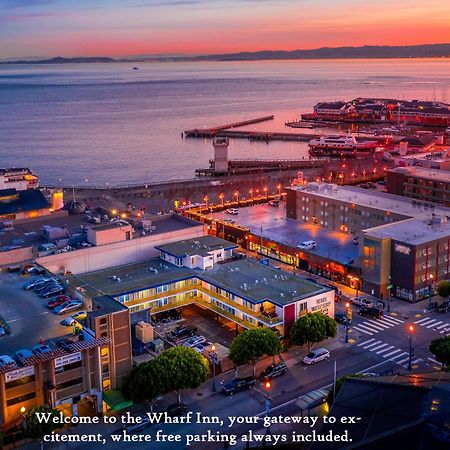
x=23, y=204
x=423, y=184
x=19, y=178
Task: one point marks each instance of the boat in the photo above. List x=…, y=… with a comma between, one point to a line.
x=135, y=68
x=340, y=146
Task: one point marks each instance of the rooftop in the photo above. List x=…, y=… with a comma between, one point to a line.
x=250, y=279
x=421, y=172
x=105, y=305
x=18, y=201
x=374, y=199
x=412, y=231
x=129, y=278
x=196, y=246
x=110, y=225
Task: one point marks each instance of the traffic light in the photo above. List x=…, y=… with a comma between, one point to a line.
x=267, y=385
x=411, y=328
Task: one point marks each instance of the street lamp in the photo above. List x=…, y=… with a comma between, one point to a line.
x=251, y=194
x=430, y=290
x=265, y=192
x=24, y=424
x=389, y=295
x=347, y=322
x=279, y=190
x=236, y=194
x=213, y=355
x=411, y=331
x=267, y=388
x=221, y=199
x=205, y=200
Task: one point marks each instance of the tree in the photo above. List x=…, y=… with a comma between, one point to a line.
x=143, y=383
x=252, y=344
x=443, y=289
x=33, y=428
x=181, y=368
x=312, y=328
x=441, y=349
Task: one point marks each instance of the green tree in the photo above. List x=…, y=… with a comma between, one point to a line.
x=143, y=383
x=441, y=349
x=443, y=289
x=312, y=328
x=181, y=368
x=33, y=428
x=252, y=344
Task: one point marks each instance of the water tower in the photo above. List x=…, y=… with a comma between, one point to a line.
x=220, y=155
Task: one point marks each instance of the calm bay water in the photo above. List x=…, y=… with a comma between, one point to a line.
x=99, y=123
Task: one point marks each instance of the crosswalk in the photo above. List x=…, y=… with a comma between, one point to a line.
x=391, y=353
x=436, y=325
x=371, y=327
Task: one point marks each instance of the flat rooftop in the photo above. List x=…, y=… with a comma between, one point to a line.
x=244, y=277
x=427, y=174
x=129, y=278
x=196, y=246
x=411, y=231
x=274, y=225
x=373, y=199
x=250, y=279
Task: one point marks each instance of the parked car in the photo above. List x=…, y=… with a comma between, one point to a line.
x=79, y=316
x=135, y=427
x=307, y=245
x=68, y=321
x=2, y=331
x=320, y=354
x=193, y=341
x=178, y=409
x=45, y=284
x=30, y=284
x=182, y=332
x=238, y=385
x=341, y=318
x=59, y=300
x=362, y=301
x=68, y=306
x=373, y=313
x=273, y=371
x=232, y=211
x=53, y=290
x=230, y=221
x=274, y=203
x=5, y=360
x=444, y=307
x=23, y=354
x=200, y=347
x=66, y=344
x=41, y=349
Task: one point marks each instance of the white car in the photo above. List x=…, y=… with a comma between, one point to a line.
x=67, y=306
x=193, y=341
x=317, y=355
x=307, y=245
x=362, y=301
x=232, y=211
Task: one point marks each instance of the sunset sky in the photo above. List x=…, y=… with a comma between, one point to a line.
x=44, y=28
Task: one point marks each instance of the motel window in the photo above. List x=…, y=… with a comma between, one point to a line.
x=19, y=382
x=21, y=399
x=69, y=383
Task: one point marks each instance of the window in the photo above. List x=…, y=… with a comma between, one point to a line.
x=69, y=383
x=19, y=382
x=21, y=399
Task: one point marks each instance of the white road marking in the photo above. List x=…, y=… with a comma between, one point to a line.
x=442, y=326
x=402, y=360
x=434, y=324
x=379, y=326
x=363, y=331
x=378, y=347
x=398, y=356
x=391, y=353
x=423, y=320
x=371, y=345
x=394, y=319
x=385, y=350
x=368, y=328
x=434, y=361
x=365, y=342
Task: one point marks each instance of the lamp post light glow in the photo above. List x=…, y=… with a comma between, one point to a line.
x=214, y=362
x=411, y=330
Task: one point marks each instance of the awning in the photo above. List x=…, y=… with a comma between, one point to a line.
x=115, y=400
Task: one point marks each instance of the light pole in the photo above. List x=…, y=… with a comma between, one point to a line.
x=205, y=200
x=430, y=291
x=24, y=425
x=251, y=194
x=389, y=295
x=236, y=194
x=279, y=190
x=347, y=322
x=221, y=199
x=213, y=355
x=266, y=192
x=411, y=331
x=267, y=388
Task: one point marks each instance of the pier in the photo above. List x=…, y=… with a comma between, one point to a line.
x=212, y=132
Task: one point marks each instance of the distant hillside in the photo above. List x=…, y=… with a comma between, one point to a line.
x=367, y=51
x=61, y=60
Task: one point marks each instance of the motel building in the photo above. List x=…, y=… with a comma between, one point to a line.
x=208, y=272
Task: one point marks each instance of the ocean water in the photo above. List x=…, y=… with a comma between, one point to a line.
x=107, y=123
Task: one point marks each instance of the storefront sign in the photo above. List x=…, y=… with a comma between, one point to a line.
x=19, y=373
x=399, y=248
x=68, y=359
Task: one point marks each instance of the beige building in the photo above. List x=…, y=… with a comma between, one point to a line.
x=109, y=233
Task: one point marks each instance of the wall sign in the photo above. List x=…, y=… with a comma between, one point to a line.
x=68, y=359
x=19, y=373
x=399, y=248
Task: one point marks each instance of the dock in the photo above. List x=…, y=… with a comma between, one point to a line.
x=212, y=132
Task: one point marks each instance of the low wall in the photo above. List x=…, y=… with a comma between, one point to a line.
x=16, y=256
x=126, y=252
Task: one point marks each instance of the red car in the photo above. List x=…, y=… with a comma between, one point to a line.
x=59, y=300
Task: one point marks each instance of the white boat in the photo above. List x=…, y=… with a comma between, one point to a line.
x=340, y=145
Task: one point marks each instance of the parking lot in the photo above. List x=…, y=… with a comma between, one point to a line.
x=275, y=226
x=27, y=316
